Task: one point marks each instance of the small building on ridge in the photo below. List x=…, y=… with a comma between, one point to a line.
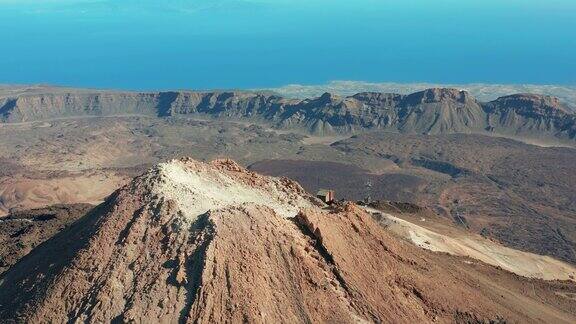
x=326, y=195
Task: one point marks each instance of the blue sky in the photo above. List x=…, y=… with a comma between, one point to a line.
x=205, y=44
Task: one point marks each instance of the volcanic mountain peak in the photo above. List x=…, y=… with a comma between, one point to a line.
x=212, y=242
x=197, y=188
x=440, y=95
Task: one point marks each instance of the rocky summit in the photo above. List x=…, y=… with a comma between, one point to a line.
x=213, y=242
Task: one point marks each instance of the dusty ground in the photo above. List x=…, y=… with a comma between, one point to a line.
x=43, y=163
x=520, y=195
x=21, y=192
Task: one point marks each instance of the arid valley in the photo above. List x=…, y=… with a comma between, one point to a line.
x=437, y=190
x=287, y=161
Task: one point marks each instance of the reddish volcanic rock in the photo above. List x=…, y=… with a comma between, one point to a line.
x=195, y=242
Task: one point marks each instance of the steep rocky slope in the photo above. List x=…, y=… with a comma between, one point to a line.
x=433, y=111
x=521, y=195
x=194, y=242
x=530, y=114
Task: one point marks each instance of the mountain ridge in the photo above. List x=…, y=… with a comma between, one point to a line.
x=432, y=111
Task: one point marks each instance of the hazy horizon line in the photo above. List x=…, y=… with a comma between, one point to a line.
x=293, y=85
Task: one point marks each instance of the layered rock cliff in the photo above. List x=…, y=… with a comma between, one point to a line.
x=433, y=111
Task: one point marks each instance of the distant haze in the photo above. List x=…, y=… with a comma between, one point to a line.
x=204, y=44
x=483, y=92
